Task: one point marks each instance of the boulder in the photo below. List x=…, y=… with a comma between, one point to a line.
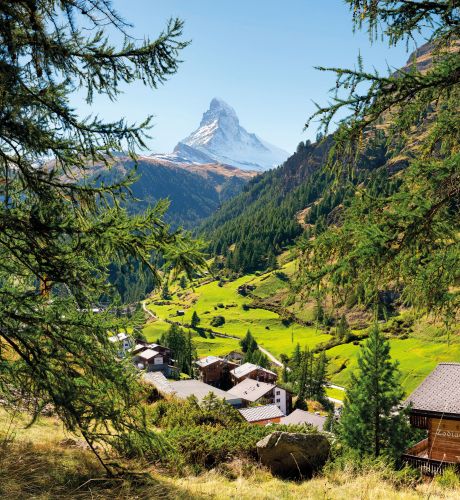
x=293, y=455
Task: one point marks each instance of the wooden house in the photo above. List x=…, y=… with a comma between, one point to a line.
x=255, y=391
x=153, y=357
x=435, y=407
x=255, y=372
x=215, y=371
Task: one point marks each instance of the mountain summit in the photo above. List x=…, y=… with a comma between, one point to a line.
x=220, y=138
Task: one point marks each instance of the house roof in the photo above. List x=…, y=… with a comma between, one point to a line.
x=439, y=392
x=159, y=381
x=246, y=368
x=185, y=388
x=298, y=417
x=252, y=390
x=119, y=337
x=257, y=413
x=148, y=354
x=207, y=361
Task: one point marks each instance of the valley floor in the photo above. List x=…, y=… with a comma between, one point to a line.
x=417, y=350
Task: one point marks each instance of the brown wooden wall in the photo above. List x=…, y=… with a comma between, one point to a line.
x=444, y=439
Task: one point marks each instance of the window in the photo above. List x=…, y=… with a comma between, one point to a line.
x=278, y=393
x=278, y=400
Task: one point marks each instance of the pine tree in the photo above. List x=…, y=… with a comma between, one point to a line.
x=61, y=231
x=343, y=329
x=371, y=423
x=195, y=320
x=183, y=282
x=409, y=234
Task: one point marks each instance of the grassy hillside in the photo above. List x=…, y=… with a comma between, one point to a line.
x=417, y=350
x=46, y=463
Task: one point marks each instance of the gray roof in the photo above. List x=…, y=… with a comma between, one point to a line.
x=148, y=354
x=252, y=390
x=159, y=381
x=440, y=391
x=298, y=417
x=246, y=368
x=208, y=360
x=185, y=388
x=257, y=413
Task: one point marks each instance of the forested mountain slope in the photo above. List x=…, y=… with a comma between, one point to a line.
x=194, y=191
x=274, y=208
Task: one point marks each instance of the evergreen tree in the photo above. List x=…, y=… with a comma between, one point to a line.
x=60, y=231
x=407, y=235
x=195, y=320
x=296, y=357
x=183, y=282
x=182, y=348
x=343, y=329
x=371, y=423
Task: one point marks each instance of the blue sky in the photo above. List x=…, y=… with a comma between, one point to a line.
x=258, y=55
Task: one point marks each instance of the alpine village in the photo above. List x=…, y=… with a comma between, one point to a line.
x=230, y=319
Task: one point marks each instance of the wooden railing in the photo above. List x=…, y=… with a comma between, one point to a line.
x=428, y=466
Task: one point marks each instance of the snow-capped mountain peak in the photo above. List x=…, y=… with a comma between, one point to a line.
x=220, y=138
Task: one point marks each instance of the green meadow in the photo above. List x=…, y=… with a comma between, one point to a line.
x=416, y=355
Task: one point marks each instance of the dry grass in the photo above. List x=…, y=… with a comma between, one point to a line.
x=36, y=464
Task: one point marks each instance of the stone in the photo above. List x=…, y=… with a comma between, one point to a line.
x=293, y=455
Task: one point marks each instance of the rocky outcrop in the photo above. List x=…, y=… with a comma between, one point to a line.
x=293, y=455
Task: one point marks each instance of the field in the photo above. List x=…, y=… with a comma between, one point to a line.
x=210, y=300
x=417, y=355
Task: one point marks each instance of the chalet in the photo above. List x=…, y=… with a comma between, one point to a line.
x=301, y=417
x=215, y=371
x=153, y=357
x=122, y=342
x=435, y=407
x=254, y=391
x=262, y=415
x=183, y=389
x=249, y=370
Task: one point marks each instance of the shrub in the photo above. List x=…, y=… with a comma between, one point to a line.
x=217, y=321
x=449, y=478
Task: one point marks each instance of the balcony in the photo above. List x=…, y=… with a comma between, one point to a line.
x=418, y=457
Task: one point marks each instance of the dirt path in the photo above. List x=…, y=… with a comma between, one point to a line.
x=148, y=311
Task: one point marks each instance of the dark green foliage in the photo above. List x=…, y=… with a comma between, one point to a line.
x=183, y=282
x=195, y=320
x=60, y=231
x=371, y=422
x=309, y=377
x=252, y=354
x=183, y=350
x=261, y=220
x=217, y=321
x=203, y=436
x=343, y=329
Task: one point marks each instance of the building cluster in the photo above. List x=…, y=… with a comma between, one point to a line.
x=146, y=356
x=251, y=389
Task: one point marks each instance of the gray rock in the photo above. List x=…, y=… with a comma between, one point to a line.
x=293, y=455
